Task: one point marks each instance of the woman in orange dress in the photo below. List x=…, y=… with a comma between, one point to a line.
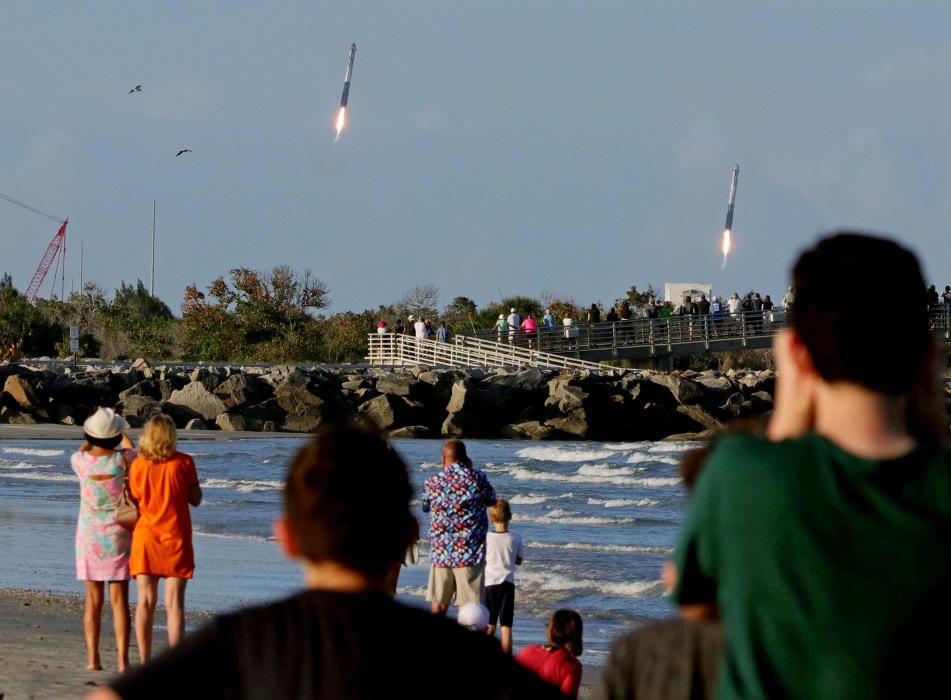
x=165, y=483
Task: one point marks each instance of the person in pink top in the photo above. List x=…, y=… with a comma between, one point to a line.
x=557, y=662
x=530, y=327
x=102, y=545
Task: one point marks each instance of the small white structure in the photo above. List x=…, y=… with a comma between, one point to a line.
x=676, y=291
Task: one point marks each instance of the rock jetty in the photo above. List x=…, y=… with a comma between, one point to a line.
x=419, y=402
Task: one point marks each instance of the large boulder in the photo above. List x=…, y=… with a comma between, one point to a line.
x=565, y=395
x=388, y=411
x=22, y=391
x=656, y=421
x=196, y=397
x=404, y=384
x=233, y=422
x=411, y=432
x=530, y=430
x=209, y=377
x=147, y=387
x=307, y=420
x=139, y=409
x=242, y=390
x=685, y=391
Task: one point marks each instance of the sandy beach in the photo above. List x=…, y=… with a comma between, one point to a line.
x=42, y=653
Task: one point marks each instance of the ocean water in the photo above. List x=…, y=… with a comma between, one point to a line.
x=598, y=520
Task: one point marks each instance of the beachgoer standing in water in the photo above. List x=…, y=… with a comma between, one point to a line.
x=457, y=498
x=102, y=545
x=165, y=483
x=503, y=552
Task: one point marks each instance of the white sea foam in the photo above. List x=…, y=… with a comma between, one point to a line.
x=230, y=536
x=641, y=457
x=32, y=451
x=607, y=470
x=37, y=476
x=10, y=464
x=561, y=454
x=559, y=516
x=523, y=474
x=243, y=485
x=529, y=500
x=587, y=547
x=547, y=581
x=623, y=502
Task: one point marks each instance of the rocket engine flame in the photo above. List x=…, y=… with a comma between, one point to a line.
x=725, y=245
x=341, y=121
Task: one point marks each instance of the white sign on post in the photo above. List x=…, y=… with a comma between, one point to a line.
x=74, y=332
x=74, y=345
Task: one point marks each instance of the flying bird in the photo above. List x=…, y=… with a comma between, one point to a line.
x=184, y=150
x=137, y=88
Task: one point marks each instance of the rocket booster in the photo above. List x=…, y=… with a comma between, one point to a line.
x=346, y=78
x=729, y=206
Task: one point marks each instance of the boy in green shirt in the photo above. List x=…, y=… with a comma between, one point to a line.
x=825, y=548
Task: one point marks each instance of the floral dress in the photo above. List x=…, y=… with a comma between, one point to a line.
x=102, y=545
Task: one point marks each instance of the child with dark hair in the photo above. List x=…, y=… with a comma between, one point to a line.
x=823, y=545
x=503, y=552
x=557, y=662
x=347, y=519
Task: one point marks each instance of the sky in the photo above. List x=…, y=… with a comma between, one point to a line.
x=493, y=148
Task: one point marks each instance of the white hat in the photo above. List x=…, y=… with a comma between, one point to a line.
x=104, y=424
x=411, y=318
x=501, y=317
x=512, y=310
x=473, y=616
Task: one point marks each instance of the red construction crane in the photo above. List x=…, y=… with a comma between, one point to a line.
x=52, y=250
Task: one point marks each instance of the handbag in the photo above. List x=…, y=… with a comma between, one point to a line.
x=127, y=510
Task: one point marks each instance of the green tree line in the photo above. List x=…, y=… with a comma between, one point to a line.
x=248, y=316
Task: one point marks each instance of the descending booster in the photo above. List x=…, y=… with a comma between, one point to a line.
x=346, y=78
x=729, y=206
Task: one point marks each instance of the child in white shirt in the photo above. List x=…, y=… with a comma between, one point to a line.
x=503, y=552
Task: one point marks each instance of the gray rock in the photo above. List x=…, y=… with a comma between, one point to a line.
x=242, y=390
x=180, y=414
x=309, y=420
x=21, y=389
x=196, y=397
x=233, y=422
x=402, y=384
x=139, y=407
x=388, y=411
x=530, y=430
x=702, y=417
x=685, y=391
x=146, y=387
x=411, y=432
x=209, y=377
x=196, y=424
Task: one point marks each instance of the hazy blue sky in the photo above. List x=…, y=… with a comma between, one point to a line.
x=519, y=147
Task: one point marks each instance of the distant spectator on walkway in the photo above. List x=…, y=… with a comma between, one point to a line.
x=851, y=450
x=946, y=297
x=429, y=328
x=567, y=323
x=757, y=302
x=652, y=308
x=703, y=305
x=611, y=316
x=767, y=303
x=548, y=319
x=382, y=328
x=557, y=662
x=594, y=314
x=933, y=296
x=788, y=298
x=501, y=327
x=442, y=333
x=515, y=323
x=733, y=304
x=625, y=312
x=399, y=328
x=687, y=308
x=457, y=498
x=530, y=327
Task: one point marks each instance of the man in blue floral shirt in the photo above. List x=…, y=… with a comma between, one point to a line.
x=457, y=498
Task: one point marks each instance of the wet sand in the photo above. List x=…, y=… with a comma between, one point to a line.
x=42, y=648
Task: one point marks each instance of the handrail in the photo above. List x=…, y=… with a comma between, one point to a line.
x=563, y=347
x=395, y=349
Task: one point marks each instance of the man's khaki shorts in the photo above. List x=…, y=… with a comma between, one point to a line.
x=466, y=583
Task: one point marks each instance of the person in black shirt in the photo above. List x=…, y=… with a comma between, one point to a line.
x=347, y=520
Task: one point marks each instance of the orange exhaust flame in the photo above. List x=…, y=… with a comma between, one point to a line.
x=341, y=121
x=725, y=245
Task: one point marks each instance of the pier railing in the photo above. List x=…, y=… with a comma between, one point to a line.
x=395, y=350
x=579, y=345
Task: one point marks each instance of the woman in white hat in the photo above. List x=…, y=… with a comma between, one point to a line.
x=102, y=545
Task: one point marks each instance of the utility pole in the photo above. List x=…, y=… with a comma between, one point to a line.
x=82, y=246
x=152, y=282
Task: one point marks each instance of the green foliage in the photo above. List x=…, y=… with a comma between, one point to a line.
x=639, y=299
x=24, y=331
x=344, y=336
x=460, y=314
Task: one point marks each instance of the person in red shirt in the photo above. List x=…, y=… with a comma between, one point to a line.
x=557, y=662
